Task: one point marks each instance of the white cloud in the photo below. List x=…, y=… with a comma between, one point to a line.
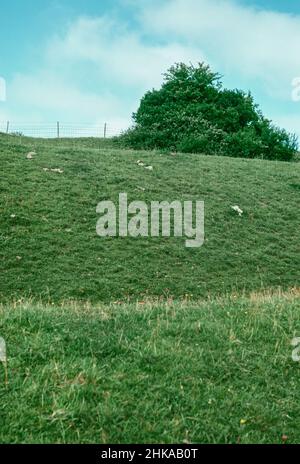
x=253, y=43
x=118, y=53
x=123, y=65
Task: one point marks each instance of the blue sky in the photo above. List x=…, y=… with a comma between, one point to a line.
x=91, y=61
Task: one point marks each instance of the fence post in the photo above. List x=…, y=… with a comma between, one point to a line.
x=58, y=130
x=105, y=130
x=7, y=127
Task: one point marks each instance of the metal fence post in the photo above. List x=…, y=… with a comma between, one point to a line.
x=105, y=130
x=7, y=127
x=58, y=130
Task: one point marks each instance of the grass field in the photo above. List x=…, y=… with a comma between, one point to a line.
x=123, y=340
x=50, y=250
x=211, y=372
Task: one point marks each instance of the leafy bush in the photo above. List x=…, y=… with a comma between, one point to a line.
x=191, y=112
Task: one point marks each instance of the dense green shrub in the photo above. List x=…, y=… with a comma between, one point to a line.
x=191, y=112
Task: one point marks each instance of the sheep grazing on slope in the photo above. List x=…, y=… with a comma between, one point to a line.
x=237, y=209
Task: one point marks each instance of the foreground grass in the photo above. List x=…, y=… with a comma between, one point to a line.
x=214, y=372
x=49, y=247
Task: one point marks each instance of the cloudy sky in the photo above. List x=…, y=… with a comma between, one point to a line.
x=91, y=61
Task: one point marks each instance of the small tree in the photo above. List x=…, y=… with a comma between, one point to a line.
x=191, y=112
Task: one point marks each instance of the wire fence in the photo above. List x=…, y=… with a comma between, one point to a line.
x=60, y=130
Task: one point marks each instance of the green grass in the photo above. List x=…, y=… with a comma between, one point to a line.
x=211, y=372
x=50, y=250
x=143, y=340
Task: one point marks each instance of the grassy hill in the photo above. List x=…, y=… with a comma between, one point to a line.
x=50, y=250
x=123, y=340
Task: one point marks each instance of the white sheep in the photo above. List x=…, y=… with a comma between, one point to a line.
x=237, y=209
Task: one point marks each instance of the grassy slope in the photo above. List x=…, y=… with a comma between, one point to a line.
x=50, y=250
x=119, y=374
x=218, y=371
